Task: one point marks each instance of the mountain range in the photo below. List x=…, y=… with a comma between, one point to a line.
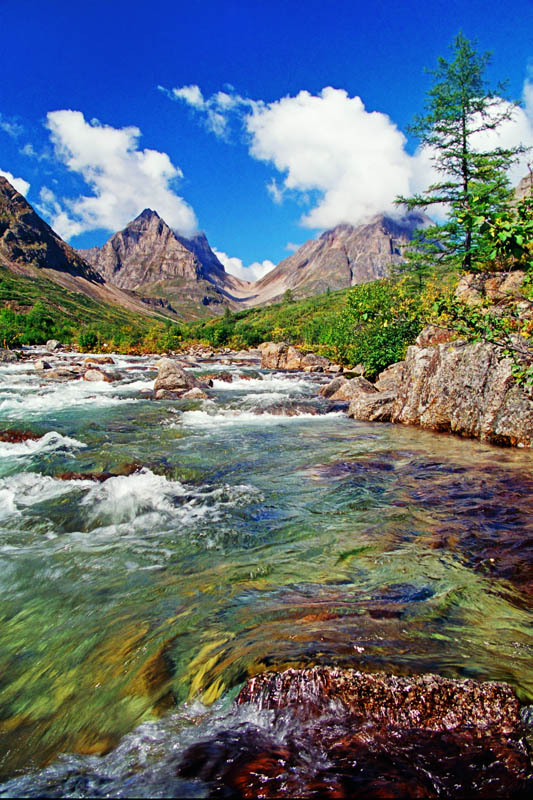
x=148, y=257
x=147, y=267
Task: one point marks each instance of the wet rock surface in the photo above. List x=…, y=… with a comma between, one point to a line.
x=16, y=436
x=343, y=733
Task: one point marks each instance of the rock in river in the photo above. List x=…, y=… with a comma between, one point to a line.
x=173, y=378
x=342, y=733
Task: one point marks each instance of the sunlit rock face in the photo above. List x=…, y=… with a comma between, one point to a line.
x=343, y=256
x=146, y=250
x=466, y=389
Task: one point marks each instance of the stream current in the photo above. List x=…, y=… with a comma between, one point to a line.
x=231, y=538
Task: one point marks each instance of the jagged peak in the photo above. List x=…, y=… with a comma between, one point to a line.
x=147, y=214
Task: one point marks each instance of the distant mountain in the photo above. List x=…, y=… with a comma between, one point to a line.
x=341, y=257
x=148, y=257
x=30, y=248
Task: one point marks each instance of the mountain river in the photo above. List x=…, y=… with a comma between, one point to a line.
x=231, y=538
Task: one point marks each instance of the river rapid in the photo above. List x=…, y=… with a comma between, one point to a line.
x=231, y=538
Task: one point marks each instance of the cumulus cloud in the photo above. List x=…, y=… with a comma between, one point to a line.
x=235, y=267
x=344, y=162
x=19, y=184
x=123, y=179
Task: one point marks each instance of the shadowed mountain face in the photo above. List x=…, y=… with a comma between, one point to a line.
x=28, y=243
x=343, y=257
x=30, y=248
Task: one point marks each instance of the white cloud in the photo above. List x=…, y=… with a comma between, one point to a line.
x=216, y=109
x=344, y=162
x=19, y=184
x=191, y=95
x=355, y=159
x=235, y=267
x=292, y=247
x=122, y=178
x=11, y=126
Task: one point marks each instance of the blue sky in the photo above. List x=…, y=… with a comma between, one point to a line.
x=256, y=150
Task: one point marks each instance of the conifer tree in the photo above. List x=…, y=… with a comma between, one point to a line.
x=460, y=108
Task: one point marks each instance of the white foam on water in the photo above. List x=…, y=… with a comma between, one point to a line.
x=21, y=491
x=268, y=383
x=229, y=417
x=145, y=500
x=61, y=397
x=46, y=444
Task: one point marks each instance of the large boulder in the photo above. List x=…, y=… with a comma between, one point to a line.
x=349, y=390
x=9, y=355
x=390, y=378
x=313, y=363
x=280, y=355
x=467, y=389
x=173, y=378
x=291, y=359
x=374, y=406
x=96, y=375
x=272, y=353
x=333, y=386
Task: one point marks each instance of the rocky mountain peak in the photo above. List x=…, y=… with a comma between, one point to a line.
x=28, y=243
x=147, y=214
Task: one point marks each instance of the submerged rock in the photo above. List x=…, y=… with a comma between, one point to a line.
x=342, y=733
x=16, y=436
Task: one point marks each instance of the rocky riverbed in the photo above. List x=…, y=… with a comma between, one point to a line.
x=164, y=561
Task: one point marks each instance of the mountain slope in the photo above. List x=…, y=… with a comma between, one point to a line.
x=341, y=257
x=30, y=248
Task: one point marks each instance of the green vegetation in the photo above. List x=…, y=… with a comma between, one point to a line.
x=371, y=324
x=460, y=110
x=33, y=310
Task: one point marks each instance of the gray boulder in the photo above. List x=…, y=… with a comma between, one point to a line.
x=173, y=378
x=351, y=389
x=373, y=407
x=466, y=389
x=9, y=355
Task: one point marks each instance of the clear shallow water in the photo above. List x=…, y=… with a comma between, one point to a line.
x=245, y=540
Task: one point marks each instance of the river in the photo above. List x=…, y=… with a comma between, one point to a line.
x=230, y=539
